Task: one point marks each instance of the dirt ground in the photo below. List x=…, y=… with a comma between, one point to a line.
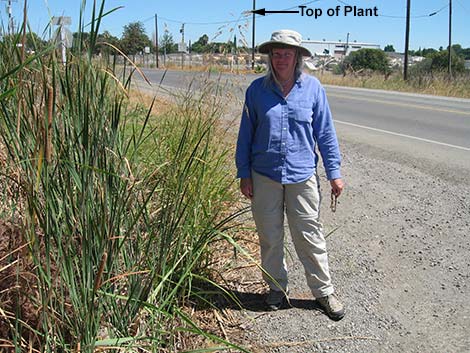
x=399, y=259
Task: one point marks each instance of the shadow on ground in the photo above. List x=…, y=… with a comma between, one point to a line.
x=224, y=298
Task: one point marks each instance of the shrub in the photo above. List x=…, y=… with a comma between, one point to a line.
x=368, y=59
x=440, y=61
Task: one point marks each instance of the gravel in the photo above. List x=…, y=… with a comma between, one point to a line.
x=399, y=259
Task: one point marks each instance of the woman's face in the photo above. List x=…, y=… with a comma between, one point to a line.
x=283, y=62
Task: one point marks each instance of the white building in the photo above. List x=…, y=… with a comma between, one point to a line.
x=335, y=49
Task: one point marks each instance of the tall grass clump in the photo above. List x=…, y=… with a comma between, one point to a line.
x=119, y=208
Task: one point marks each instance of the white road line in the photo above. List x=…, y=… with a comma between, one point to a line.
x=402, y=135
x=401, y=104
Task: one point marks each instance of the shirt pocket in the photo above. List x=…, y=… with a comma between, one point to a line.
x=300, y=127
x=302, y=112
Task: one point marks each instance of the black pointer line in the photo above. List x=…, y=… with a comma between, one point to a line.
x=263, y=12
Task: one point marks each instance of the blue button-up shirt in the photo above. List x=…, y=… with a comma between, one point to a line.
x=278, y=134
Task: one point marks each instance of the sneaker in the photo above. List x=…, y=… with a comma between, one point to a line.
x=276, y=299
x=332, y=307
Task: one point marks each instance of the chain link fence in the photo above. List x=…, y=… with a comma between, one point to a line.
x=230, y=62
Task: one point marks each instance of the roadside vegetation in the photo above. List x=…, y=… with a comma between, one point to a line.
x=367, y=68
x=435, y=84
x=370, y=68
x=109, y=212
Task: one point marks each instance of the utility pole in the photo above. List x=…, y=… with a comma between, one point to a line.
x=347, y=45
x=164, y=47
x=449, y=57
x=190, y=55
x=11, y=25
x=407, y=40
x=156, y=40
x=182, y=45
x=253, y=38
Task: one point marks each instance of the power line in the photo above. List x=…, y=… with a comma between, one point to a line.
x=246, y=14
x=441, y=9
x=201, y=23
x=463, y=7
x=416, y=16
x=294, y=7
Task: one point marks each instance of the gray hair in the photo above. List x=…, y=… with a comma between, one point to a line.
x=271, y=78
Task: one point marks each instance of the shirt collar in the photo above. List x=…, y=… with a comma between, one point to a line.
x=298, y=83
x=300, y=79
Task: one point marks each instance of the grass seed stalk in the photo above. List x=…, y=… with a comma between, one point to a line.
x=119, y=208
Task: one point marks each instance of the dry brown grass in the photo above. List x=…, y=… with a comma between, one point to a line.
x=235, y=271
x=204, y=68
x=434, y=85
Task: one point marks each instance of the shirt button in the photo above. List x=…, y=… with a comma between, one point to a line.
x=284, y=129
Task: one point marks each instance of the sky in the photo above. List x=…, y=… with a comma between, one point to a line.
x=221, y=20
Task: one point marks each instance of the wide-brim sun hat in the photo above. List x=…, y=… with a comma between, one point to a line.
x=284, y=38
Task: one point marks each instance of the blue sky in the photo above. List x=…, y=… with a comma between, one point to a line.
x=220, y=20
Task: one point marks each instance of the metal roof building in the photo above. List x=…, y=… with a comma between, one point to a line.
x=335, y=49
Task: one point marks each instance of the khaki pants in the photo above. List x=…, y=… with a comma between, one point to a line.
x=301, y=202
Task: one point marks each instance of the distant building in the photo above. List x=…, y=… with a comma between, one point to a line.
x=398, y=59
x=324, y=48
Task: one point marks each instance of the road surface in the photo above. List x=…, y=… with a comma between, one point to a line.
x=432, y=128
x=401, y=242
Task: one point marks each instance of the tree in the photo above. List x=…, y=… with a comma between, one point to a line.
x=423, y=52
x=107, y=38
x=80, y=40
x=370, y=59
x=466, y=53
x=101, y=41
x=439, y=62
x=34, y=42
x=167, y=44
x=200, y=46
x=458, y=50
x=389, y=48
x=134, y=39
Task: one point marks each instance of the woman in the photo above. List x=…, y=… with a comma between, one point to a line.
x=286, y=114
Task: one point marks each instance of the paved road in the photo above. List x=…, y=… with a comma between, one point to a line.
x=400, y=244
x=431, y=128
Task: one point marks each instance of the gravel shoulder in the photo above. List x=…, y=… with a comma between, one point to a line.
x=399, y=261
x=399, y=251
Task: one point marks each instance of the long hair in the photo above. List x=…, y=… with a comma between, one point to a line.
x=271, y=79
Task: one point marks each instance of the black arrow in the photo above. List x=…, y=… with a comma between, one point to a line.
x=263, y=12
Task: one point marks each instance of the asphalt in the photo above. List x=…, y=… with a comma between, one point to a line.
x=432, y=128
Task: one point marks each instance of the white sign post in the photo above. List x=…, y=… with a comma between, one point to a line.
x=63, y=34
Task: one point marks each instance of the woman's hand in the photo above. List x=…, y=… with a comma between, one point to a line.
x=246, y=187
x=337, y=186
